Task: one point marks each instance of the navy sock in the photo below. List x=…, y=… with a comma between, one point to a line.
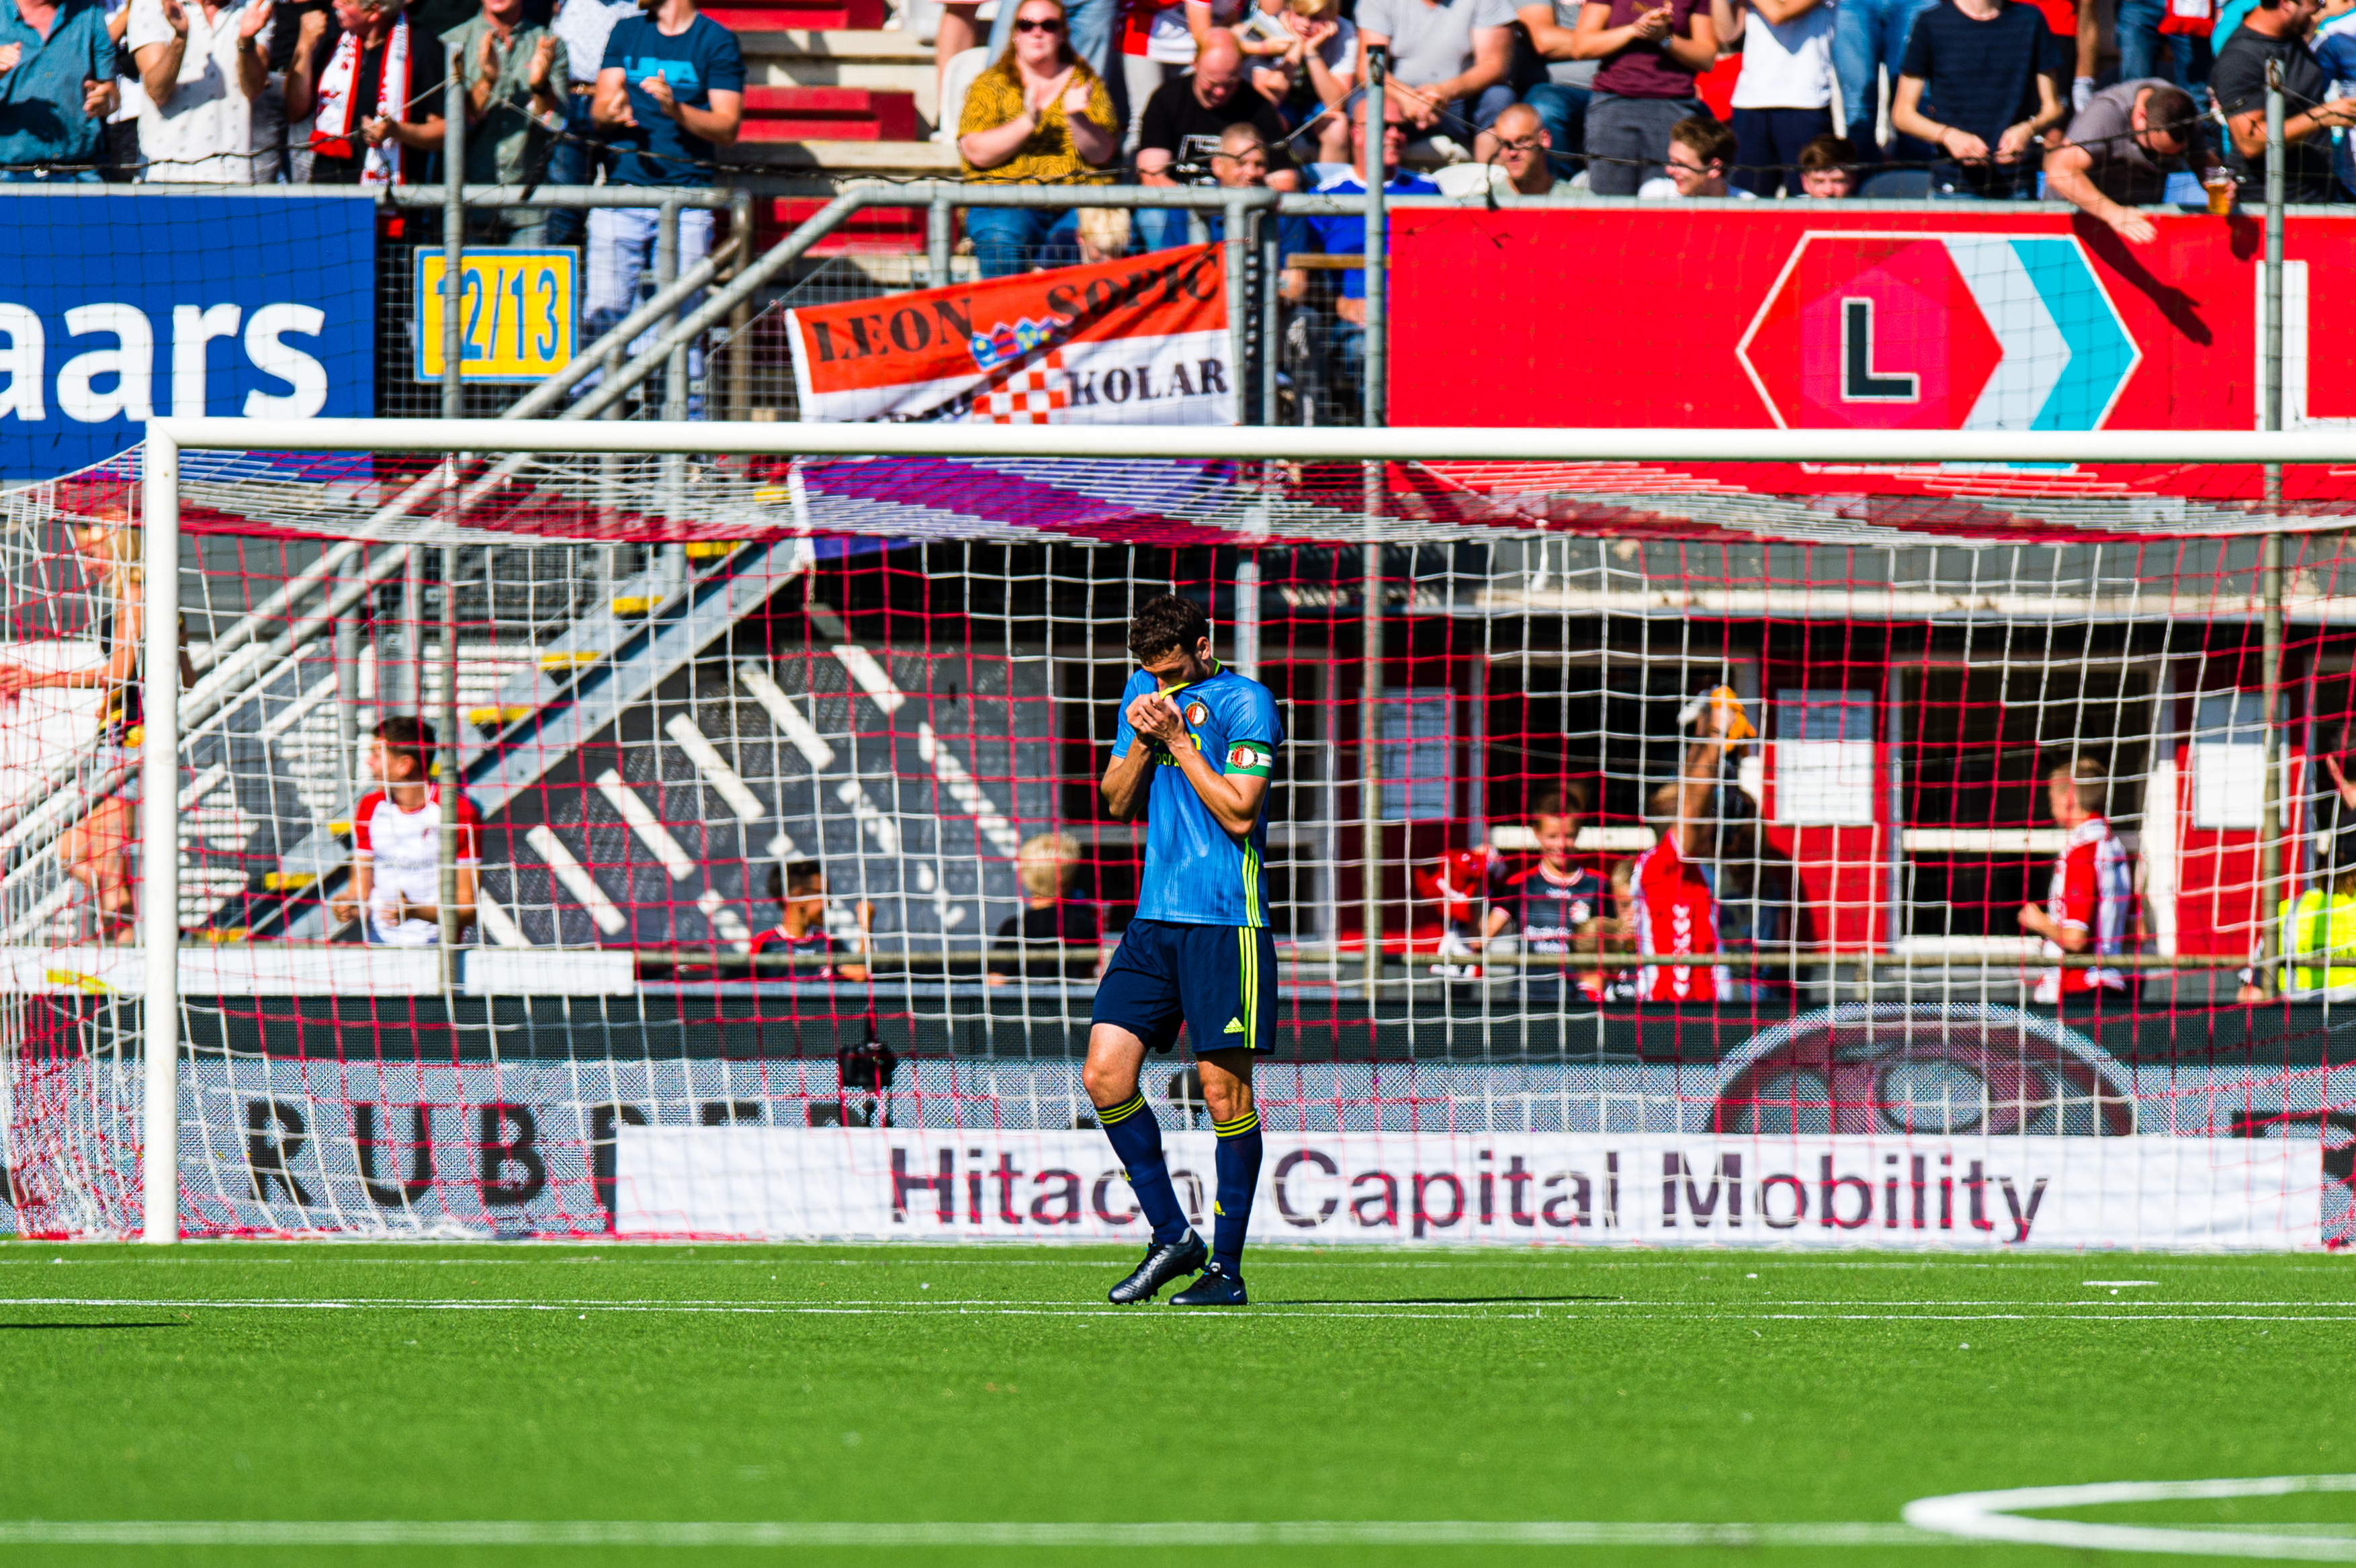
x=1136, y=1136
x=1239, y=1164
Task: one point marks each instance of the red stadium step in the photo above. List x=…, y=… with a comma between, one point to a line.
x=870, y=232
x=787, y=15
x=828, y=114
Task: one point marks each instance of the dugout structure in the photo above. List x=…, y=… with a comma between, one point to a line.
x=664, y=659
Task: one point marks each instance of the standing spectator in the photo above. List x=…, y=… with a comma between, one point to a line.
x=1828, y=169
x=1672, y=903
x=1345, y=234
x=514, y=74
x=1037, y=943
x=2334, y=43
x=1561, y=100
x=2088, y=908
x=203, y=69
x=1523, y=143
x=1869, y=36
x=1182, y=126
x=1039, y=115
x=361, y=90
x=670, y=94
x=57, y=88
x=1783, y=100
x=582, y=26
x=2154, y=43
x=1651, y=55
x=1981, y=84
x=2119, y=152
x=1448, y=63
x=1699, y=150
x=2238, y=82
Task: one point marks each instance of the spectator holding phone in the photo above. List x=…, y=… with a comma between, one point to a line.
x=1651, y=55
x=1981, y=84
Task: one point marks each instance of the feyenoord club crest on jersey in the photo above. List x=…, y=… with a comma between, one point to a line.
x=1196, y=712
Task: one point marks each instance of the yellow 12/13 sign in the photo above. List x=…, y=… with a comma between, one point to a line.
x=518, y=310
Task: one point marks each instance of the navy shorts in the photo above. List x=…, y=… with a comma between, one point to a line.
x=1219, y=980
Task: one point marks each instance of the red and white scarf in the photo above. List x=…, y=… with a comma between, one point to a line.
x=340, y=94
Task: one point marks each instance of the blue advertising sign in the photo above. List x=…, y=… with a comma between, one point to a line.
x=118, y=307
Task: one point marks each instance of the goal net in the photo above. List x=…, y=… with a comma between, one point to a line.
x=1703, y=847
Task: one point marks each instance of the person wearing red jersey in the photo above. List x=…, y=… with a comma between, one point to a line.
x=799, y=890
x=397, y=844
x=2090, y=903
x=1671, y=902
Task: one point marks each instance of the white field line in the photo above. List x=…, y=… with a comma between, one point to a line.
x=577, y=880
x=1997, y=1516
x=1433, y=1310
x=717, y=1533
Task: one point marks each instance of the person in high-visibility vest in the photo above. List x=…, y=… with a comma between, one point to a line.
x=2321, y=927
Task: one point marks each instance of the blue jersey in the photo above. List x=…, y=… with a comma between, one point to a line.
x=1195, y=873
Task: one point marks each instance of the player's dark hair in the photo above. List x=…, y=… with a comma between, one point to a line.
x=800, y=877
x=404, y=735
x=1166, y=623
x=2091, y=779
x=1570, y=800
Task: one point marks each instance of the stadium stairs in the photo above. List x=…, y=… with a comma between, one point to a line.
x=832, y=94
x=640, y=767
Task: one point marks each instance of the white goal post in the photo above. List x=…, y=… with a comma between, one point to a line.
x=168, y=439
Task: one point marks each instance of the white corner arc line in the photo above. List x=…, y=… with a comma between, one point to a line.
x=647, y=825
x=1999, y=1516
x=577, y=880
x=950, y=1533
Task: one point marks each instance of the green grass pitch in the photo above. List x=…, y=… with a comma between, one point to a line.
x=557, y=1388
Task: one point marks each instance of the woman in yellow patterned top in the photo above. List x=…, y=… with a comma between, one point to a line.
x=1038, y=116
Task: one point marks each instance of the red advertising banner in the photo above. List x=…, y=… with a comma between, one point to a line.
x=1803, y=315
x=1139, y=341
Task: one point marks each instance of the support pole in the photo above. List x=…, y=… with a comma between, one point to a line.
x=940, y=233
x=2270, y=559
x=1272, y=304
x=1370, y=693
x=740, y=316
x=1235, y=241
x=447, y=883
x=159, y=836
x=453, y=235
x=673, y=557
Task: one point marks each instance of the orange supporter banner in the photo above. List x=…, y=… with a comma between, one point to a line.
x=1143, y=340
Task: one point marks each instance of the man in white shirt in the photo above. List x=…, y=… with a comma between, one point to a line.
x=203, y=69
x=397, y=844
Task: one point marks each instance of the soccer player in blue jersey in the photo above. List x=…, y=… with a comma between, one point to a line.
x=1192, y=753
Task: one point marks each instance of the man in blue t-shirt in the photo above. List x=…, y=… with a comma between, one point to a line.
x=1193, y=752
x=1345, y=234
x=671, y=93
x=1982, y=80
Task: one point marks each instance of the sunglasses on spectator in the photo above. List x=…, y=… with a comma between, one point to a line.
x=1038, y=25
x=1529, y=144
